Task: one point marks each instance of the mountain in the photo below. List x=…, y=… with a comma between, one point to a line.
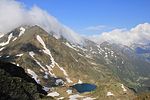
x=57, y=64
x=124, y=63
x=142, y=50
x=15, y=84
x=127, y=65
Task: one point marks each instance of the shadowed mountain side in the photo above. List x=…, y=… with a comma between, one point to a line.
x=15, y=84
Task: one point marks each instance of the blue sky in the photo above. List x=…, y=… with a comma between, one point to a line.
x=95, y=16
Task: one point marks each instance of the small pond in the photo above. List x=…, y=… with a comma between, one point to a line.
x=84, y=87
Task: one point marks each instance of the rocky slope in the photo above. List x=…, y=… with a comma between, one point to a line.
x=130, y=67
x=15, y=84
x=126, y=64
x=143, y=96
x=57, y=64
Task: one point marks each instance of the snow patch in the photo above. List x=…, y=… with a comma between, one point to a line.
x=83, y=49
x=93, y=63
x=46, y=76
x=122, y=62
x=1, y=35
x=53, y=94
x=2, y=48
x=49, y=70
x=80, y=82
x=14, y=39
x=89, y=98
x=31, y=53
x=61, y=98
x=106, y=55
x=74, y=58
x=75, y=97
x=88, y=56
x=46, y=50
x=59, y=81
x=22, y=30
x=7, y=56
x=80, y=54
x=46, y=88
x=124, y=89
x=34, y=75
x=65, y=73
x=40, y=65
x=70, y=46
x=13, y=63
x=5, y=43
x=69, y=91
x=19, y=55
x=41, y=70
x=109, y=94
x=68, y=80
x=93, y=52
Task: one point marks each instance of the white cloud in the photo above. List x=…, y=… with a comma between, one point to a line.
x=11, y=15
x=138, y=34
x=14, y=14
x=96, y=28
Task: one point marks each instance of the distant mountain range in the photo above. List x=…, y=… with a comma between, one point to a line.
x=142, y=50
x=118, y=71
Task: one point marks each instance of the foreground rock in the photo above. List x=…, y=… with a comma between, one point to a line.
x=15, y=84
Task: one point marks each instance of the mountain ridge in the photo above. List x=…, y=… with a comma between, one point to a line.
x=52, y=59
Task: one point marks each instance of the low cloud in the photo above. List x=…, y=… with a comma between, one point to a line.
x=96, y=28
x=138, y=34
x=14, y=14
